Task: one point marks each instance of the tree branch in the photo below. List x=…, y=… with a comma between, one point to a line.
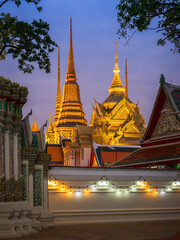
x=3, y=3
x=2, y=49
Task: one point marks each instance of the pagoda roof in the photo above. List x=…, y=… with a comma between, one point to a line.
x=151, y=156
x=116, y=97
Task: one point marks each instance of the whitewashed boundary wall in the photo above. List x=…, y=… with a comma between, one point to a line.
x=76, y=196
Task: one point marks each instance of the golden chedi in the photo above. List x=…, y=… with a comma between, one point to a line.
x=117, y=121
x=69, y=110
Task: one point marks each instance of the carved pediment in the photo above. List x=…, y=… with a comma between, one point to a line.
x=167, y=123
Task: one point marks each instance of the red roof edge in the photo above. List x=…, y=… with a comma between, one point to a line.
x=156, y=113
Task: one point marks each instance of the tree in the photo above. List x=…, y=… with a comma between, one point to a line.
x=28, y=42
x=137, y=15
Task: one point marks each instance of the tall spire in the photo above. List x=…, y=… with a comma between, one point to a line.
x=116, y=85
x=126, y=80
x=116, y=67
x=50, y=128
x=71, y=69
x=58, y=96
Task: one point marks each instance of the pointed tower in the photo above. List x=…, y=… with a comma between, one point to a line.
x=116, y=85
x=116, y=90
x=71, y=108
x=117, y=121
x=35, y=127
x=58, y=96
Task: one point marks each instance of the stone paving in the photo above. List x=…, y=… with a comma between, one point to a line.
x=156, y=230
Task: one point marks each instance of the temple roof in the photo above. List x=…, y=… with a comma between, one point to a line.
x=116, y=97
x=145, y=157
x=163, y=149
x=166, y=91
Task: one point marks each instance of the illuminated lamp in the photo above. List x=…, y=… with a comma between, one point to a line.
x=54, y=183
x=139, y=182
x=63, y=187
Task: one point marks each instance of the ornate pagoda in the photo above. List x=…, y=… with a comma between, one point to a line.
x=117, y=121
x=69, y=111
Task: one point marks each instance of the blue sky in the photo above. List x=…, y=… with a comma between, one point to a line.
x=94, y=36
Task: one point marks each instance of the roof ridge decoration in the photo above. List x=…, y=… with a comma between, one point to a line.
x=162, y=79
x=34, y=127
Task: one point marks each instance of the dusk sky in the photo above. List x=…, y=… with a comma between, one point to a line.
x=95, y=28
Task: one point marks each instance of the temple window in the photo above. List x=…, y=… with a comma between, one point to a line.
x=9, y=107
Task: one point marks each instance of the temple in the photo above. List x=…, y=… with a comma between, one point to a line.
x=69, y=111
x=117, y=121
x=160, y=143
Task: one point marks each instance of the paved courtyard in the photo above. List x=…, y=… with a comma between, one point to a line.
x=166, y=230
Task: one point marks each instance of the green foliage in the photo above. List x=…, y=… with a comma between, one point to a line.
x=28, y=42
x=137, y=15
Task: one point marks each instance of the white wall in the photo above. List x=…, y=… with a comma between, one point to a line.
x=106, y=205
x=86, y=159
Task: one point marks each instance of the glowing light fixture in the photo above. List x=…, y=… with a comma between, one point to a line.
x=139, y=182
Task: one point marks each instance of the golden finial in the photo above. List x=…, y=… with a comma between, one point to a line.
x=34, y=127
x=71, y=70
x=58, y=96
x=116, y=67
x=116, y=85
x=116, y=51
x=126, y=80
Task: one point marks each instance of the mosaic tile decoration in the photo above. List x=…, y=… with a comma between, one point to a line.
x=24, y=184
x=37, y=188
